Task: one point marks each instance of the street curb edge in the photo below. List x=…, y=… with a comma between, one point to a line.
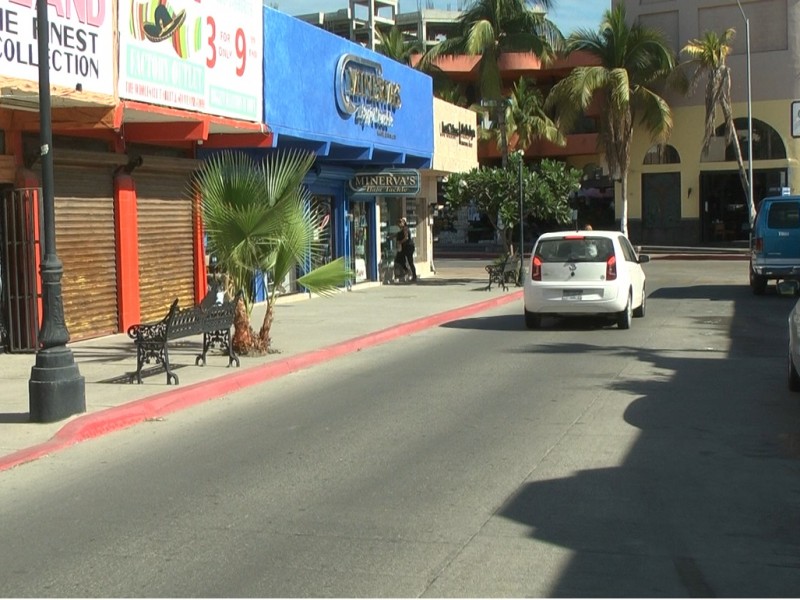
x=93, y=425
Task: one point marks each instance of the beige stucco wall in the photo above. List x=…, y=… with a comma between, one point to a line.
x=453, y=154
x=774, y=38
x=687, y=138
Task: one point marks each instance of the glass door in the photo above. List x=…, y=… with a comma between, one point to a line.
x=327, y=232
x=360, y=241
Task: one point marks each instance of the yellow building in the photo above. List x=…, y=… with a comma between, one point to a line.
x=675, y=194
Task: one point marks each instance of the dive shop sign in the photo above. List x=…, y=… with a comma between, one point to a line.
x=463, y=132
x=397, y=182
x=363, y=93
x=80, y=40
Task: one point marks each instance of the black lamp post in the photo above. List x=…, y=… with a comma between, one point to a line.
x=501, y=123
x=56, y=388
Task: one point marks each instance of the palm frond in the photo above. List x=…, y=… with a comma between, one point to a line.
x=284, y=172
x=481, y=38
x=325, y=280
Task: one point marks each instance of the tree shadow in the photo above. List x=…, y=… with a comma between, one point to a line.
x=706, y=500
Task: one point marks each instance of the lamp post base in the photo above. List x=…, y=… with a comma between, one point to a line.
x=56, y=388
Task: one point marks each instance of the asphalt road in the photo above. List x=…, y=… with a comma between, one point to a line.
x=475, y=459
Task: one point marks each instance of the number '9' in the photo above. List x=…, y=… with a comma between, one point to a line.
x=241, y=51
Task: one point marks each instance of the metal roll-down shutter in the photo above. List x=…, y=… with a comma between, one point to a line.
x=86, y=245
x=166, y=242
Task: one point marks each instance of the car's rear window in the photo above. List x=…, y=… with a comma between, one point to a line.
x=583, y=249
x=784, y=215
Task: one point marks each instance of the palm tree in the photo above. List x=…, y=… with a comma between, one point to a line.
x=523, y=120
x=488, y=28
x=634, y=60
x=259, y=218
x=445, y=89
x=396, y=46
x=706, y=57
x=527, y=119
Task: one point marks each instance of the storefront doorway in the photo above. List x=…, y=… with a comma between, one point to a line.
x=5, y=189
x=19, y=251
x=723, y=204
x=392, y=209
x=361, y=241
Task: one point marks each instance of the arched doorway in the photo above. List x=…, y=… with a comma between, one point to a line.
x=723, y=202
x=661, y=197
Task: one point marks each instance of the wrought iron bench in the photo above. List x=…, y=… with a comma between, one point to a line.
x=505, y=269
x=213, y=320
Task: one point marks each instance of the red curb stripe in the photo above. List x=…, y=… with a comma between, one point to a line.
x=112, y=419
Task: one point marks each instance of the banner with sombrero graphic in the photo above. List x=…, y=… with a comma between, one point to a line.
x=200, y=55
x=81, y=43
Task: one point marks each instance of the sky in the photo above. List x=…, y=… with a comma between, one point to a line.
x=567, y=15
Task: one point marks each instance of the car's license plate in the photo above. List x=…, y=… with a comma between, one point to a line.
x=573, y=294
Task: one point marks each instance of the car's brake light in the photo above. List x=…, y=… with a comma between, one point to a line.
x=611, y=268
x=536, y=269
x=573, y=237
x=758, y=244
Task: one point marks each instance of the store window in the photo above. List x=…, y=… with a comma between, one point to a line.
x=327, y=232
x=767, y=143
x=662, y=154
x=360, y=240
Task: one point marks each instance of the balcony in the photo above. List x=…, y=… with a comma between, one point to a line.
x=578, y=144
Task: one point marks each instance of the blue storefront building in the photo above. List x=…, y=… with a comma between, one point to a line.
x=369, y=121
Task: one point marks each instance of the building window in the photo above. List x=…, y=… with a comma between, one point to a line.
x=767, y=143
x=662, y=154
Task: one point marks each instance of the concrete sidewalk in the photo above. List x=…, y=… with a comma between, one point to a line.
x=305, y=331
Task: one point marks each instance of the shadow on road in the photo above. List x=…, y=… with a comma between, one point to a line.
x=707, y=500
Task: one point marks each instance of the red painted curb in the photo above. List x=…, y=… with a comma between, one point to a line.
x=115, y=418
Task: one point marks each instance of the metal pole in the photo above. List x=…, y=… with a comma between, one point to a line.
x=749, y=120
x=56, y=388
x=501, y=122
x=521, y=215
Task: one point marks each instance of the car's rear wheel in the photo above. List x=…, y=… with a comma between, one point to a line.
x=624, y=318
x=794, y=378
x=532, y=320
x=758, y=283
x=640, y=310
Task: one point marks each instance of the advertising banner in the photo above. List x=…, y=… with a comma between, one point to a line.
x=81, y=43
x=200, y=55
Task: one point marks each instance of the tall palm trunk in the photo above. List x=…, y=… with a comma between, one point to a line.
x=737, y=150
x=624, y=191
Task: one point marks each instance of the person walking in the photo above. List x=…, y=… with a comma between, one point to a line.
x=406, y=245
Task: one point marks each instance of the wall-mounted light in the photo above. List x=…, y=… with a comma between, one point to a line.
x=133, y=163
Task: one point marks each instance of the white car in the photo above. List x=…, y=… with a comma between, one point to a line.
x=585, y=273
x=794, y=348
